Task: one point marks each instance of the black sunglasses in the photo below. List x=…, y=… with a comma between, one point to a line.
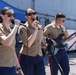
x=9, y=14
x=32, y=13
x=63, y=20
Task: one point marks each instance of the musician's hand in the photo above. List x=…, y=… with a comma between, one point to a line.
x=17, y=22
x=54, y=43
x=35, y=24
x=20, y=72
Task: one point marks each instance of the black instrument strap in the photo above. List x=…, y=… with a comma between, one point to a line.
x=61, y=29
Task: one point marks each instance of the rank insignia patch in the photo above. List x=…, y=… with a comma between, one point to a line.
x=21, y=32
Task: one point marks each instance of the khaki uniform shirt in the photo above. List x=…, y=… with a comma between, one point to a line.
x=7, y=58
x=52, y=31
x=35, y=48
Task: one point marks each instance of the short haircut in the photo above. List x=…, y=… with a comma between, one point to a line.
x=59, y=15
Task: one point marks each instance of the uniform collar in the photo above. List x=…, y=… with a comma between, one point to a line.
x=28, y=26
x=5, y=29
x=55, y=25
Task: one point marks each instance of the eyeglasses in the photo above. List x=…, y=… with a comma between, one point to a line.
x=32, y=13
x=9, y=14
x=61, y=20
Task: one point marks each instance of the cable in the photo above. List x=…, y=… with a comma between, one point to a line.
x=27, y=45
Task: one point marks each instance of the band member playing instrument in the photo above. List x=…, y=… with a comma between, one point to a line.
x=52, y=31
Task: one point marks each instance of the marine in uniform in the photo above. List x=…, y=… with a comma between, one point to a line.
x=52, y=31
x=8, y=57
x=31, y=34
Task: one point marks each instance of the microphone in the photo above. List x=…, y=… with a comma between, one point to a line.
x=13, y=22
x=33, y=19
x=21, y=23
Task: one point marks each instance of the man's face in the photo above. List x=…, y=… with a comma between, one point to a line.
x=60, y=21
x=31, y=14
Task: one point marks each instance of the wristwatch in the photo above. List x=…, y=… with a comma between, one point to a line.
x=18, y=68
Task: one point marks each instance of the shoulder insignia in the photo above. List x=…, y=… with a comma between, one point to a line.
x=21, y=32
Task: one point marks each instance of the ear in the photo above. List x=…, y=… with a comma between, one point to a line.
x=1, y=15
x=1, y=20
